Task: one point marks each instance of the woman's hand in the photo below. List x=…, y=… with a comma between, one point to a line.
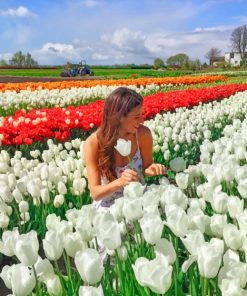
x=127, y=177
x=155, y=169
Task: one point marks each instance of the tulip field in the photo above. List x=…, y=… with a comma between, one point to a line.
x=182, y=234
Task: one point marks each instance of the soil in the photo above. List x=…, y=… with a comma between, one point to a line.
x=14, y=79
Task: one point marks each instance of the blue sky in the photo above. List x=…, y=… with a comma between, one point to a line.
x=107, y=32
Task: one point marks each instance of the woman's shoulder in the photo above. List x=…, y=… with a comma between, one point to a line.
x=92, y=141
x=143, y=131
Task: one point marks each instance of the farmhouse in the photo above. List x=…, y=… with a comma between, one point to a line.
x=234, y=58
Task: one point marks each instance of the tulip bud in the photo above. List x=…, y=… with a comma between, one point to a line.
x=122, y=253
x=23, y=206
x=90, y=291
x=53, y=285
x=89, y=265
x=58, y=200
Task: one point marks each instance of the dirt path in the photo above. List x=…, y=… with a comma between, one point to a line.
x=14, y=79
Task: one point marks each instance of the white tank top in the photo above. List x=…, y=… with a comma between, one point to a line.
x=137, y=164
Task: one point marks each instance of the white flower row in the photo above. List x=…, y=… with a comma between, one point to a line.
x=186, y=125
x=227, y=73
x=44, y=98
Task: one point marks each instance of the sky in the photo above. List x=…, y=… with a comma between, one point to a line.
x=108, y=32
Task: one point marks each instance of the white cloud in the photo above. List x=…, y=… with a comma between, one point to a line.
x=98, y=56
x=21, y=11
x=215, y=29
x=58, y=53
x=126, y=46
x=6, y=56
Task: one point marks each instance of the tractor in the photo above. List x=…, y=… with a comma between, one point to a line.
x=79, y=69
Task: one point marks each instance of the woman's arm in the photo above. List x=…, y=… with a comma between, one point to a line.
x=97, y=190
x=146, y=145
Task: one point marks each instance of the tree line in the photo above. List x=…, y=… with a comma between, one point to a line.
x=20, y=60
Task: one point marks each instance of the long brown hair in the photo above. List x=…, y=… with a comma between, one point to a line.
x=117, y=105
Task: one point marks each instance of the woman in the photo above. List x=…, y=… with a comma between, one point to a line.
x=107, y=170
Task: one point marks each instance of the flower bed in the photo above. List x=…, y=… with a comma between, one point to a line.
x=90, y=83
x=58, y=123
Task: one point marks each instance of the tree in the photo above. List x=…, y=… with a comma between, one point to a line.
x=239, y=40
x=3, y=63
x=17, y=59
x=212, y=54
x=158, y=63
x=29, y=61
x=21, y=60
x=180, y=59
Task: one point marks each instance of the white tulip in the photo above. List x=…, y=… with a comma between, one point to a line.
x=133, y=189
x=122, y=253
x=73, y=243
x=90, y=291
x=182, y=180
x=209, y=260
x=123, y=147
x=152, y=227
x=217, y=224
x=26, y=248
x=53, y=285
x=89, y=265
x=193, y=240
x=4, y=220
x=5, y=275
x=44, y=269
x=117, y=209
x=155, y=274
x=132, y=209
x=173, y=195
x=235, y=206
x=53, y=245
x=242, y=187
x=231, y=287
x=62, y=189
x=58, y=200
x=45, y=195
x=23, y=206
x=165, y=247
x=24, y=284
x=233, y=236
x=108, y=231
x=177, y=220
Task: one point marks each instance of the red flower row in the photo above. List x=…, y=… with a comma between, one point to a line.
x=36, y=125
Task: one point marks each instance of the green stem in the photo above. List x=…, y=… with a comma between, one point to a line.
x=130, y=162
x=60, y=277
x=68, y=269
x=36, y=280
x=205, y=286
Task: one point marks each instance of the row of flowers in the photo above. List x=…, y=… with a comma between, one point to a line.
x=179, y=240
x=36, y=125
x=11, y=101
x=92, y=83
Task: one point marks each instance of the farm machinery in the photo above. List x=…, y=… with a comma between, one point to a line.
x=80, y=69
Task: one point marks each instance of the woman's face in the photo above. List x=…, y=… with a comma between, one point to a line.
x=131, y=122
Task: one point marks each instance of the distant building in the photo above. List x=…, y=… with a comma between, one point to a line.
x=214, y=61
x=234, y=58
